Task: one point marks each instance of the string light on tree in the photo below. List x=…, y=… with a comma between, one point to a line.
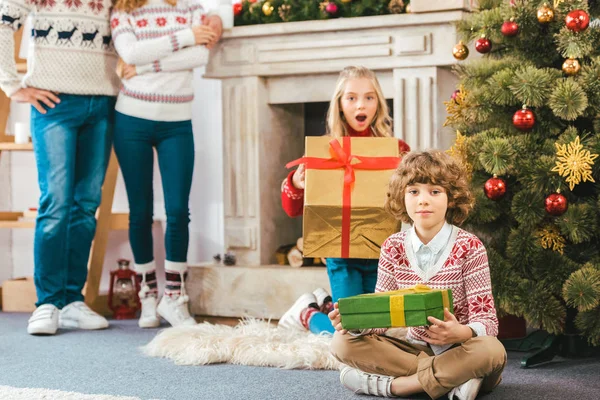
x=524, y=119
x=545, y=14
x=574, y=163
x=577, y=20
x=495, y=188
x=510, y=28
x=483, y=45
x=556, y=204
x=460, y=51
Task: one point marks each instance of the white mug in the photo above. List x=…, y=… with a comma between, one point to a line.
x=21, y=133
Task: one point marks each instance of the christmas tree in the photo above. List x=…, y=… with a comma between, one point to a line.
x=251, y=12
x=527, y=116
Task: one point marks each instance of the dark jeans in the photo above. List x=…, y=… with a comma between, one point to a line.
x=71, y=143
x=135, y=140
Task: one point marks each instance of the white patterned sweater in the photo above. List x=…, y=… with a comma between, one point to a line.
x=157, y=38
x=463, y=267
x=70, y=49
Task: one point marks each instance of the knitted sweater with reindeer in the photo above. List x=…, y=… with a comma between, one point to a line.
x=70, y=48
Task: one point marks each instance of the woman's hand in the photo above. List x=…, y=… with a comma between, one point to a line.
x=204, y=34
x=298, y=177
x=129, y=71
x=214, y=22
x=449, y=331
x=336, y=319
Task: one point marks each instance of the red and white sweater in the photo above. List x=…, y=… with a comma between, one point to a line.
x=465, y=271
x=157, y=38
x=292, y=199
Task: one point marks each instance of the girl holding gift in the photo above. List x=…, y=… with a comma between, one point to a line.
x=457, y=356
x=160, y=42
x=357, y=109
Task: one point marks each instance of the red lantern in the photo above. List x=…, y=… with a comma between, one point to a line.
x=577, y=20
x=494, y=188
x=556, y=204
x=237, y=9
x=483, y=45
x=524, y=119
x=509, y=28
x=124, y=289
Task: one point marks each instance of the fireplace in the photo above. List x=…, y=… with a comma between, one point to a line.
x=277, y=79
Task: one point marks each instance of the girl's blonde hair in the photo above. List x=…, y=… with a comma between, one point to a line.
x=435, y=168
x=336, y=125
x=130, y=5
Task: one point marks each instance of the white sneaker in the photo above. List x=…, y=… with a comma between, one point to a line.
x=466, y=391
x=79, y=315
x=363, y=383
x=175, y=310
x=291, y=318
x=44, y=320
x=148, y=316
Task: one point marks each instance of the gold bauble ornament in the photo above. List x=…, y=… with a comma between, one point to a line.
x=571, y=66
x=545, y=14
x=407, y=9
x=460, y=51
x=267, y=8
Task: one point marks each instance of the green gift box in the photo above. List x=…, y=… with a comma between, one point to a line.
x=398, y=308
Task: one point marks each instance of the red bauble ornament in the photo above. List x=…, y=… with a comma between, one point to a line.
x=510, y=28
x=524, y=119
x=577, y=20
x=556, y=204
x=237, y=9
x=331, y=8
x=483, y=45
x=455, y=94
x=495, y=188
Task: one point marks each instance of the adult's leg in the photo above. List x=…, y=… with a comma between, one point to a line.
x=94, y=140
x=54, y=137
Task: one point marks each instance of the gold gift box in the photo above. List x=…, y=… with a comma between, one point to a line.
x=370, y=225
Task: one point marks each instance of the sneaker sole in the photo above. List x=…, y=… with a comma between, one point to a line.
x=41, y=332
x=155, y=323
x=70, y=324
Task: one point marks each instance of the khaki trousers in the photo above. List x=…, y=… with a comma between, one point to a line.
x=480, y=357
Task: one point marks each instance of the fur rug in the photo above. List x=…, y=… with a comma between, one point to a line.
x=251, y=342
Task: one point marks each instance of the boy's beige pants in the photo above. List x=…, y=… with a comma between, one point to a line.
x=480, y=357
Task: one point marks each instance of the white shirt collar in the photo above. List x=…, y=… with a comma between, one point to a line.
x=436, y=244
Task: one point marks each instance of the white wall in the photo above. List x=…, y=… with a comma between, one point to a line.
x=18, y=175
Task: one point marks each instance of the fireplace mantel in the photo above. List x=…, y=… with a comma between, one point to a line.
x=269, y=72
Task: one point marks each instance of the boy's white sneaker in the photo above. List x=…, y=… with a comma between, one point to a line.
x=175, y=310
x=44, y=320
x=148, y=315
x=466, y=391
x=364, y=383
x=321, y=295
x=79, y=315
x=291, y=318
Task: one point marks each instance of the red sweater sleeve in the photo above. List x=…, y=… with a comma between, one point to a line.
x=292, y=199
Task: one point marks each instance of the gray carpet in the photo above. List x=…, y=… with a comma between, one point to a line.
x=109, y=362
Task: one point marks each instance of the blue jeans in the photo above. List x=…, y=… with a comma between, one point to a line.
x=351, y=276
x=72, y=144
x=135, y=140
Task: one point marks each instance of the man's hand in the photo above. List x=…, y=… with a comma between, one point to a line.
x=216, y=25
x=35, y=97
x=336, y=319
x=449, y=331
x=129, y=71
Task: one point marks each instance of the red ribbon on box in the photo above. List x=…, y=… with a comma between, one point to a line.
x=343, y=158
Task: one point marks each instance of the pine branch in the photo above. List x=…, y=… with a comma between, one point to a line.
x=582, y=289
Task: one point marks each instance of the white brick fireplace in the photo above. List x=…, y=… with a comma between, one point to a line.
x=268, y=73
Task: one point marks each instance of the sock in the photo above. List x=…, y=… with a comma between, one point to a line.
x=174, y=280
x=327, y=305
x=307, y=314
x=148, y=279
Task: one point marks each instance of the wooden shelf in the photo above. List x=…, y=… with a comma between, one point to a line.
x=11, y=146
